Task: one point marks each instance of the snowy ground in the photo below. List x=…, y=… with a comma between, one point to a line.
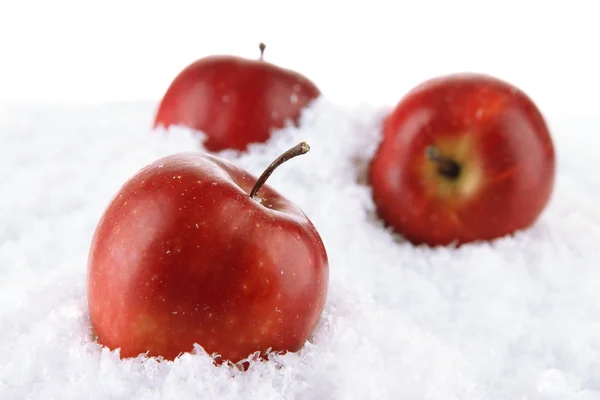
x=515, y=319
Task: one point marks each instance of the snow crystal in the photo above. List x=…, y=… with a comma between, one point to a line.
x=515, y=318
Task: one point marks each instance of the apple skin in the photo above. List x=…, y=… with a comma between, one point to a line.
x=234, y=101
x=184, y=255
x=493, y=132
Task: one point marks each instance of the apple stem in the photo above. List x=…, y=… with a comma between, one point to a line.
x=262, y=46
x=446, y=166
x=299, y=149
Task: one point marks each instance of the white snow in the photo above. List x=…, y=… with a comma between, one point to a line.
x=518, y=318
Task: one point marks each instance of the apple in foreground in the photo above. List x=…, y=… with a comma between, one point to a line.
x=463, y=158
x=235, y=101
x=194, y=250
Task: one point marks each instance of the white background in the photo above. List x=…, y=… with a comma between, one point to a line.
x=69, y=51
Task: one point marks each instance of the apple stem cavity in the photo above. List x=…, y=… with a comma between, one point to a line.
x=262, y=46
x=446, y=166
x=299, y=149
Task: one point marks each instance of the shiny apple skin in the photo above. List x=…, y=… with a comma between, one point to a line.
x=235, y=101
x=183, y=255
x=498, y=136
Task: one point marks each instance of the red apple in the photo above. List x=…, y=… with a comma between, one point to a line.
x=463, y=158
x=235, y=101
x=192, y=250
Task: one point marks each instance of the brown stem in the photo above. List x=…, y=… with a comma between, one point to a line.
x=299, y=149
x=262, y=50
x=446, y=166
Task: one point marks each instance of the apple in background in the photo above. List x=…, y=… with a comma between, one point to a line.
x=235, y=101
x=192, y=250
x=463, y=158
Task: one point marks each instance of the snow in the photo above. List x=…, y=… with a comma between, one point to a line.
x=515, y=318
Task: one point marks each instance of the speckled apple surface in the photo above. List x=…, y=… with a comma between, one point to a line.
x=511, y=319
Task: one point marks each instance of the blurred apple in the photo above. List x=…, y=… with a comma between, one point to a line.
x=464, y=157
x=235, y=101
